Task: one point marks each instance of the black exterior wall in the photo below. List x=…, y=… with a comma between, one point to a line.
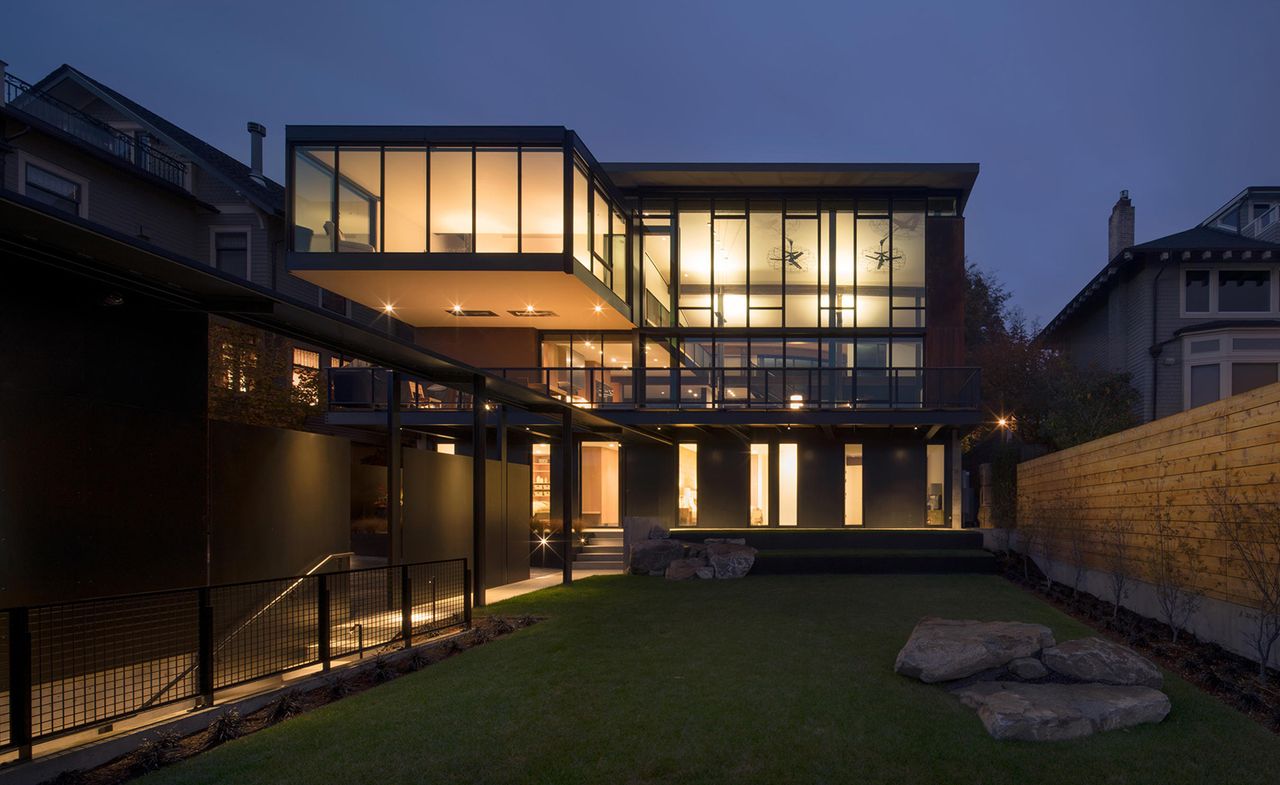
x=650, y=482
x=279, y=500
x=102, y=440
x=437, y=513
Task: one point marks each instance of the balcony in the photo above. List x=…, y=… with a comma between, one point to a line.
x=23, y=97
x=761, y=389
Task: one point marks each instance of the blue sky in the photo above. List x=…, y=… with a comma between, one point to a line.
x=1063, y=104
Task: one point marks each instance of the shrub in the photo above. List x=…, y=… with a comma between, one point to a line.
x=382, y=669
x=228, y=725
x=157, y=751
x=339, y=685
x=289, y=704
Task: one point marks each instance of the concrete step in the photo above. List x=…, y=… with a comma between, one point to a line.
x=800, y=538
x=597, y=565
x=598, y=556
x=593, y=548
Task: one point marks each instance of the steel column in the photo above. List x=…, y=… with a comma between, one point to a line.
x=568, y=468
x=479, y=437
x=395, y=523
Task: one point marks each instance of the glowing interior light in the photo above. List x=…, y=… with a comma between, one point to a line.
x=797, y=401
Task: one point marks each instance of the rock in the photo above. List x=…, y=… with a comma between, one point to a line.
x=649, y=556
x=1028, y=669
x=684, y=569
x=730, y=560
x=706, y=573
x=1101, y=661
x=657, y=532
x=1057, y=712
x=947, y=649
x=696, y=549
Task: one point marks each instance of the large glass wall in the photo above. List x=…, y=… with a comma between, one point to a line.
x=791, y=263
x=687, y=488
x=438, y=200
x=788, y=484
x=759, y=485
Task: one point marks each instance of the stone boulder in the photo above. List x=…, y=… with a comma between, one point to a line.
x=1103, y=662
x=684, y=569
x=729, y=540
x=706, y=573
x=1057, y=712
x=1028, y=669
x=948, y=649
x=654, y=556
x=658, y=532
x=730, y=560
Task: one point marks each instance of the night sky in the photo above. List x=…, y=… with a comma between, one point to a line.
x=1063, y=104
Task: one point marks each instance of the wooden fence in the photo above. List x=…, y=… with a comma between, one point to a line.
x=1172, y=468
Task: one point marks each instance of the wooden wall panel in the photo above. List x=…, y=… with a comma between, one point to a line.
x=1171, y=466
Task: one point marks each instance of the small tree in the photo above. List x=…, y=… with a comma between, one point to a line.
x=1173, y=568
x=1251, y=530
x=1117, y=540
x=1029, y=534
x=1076, y=537
x=1050, y=540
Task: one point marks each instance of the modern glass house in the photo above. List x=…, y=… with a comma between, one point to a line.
x=793, y=331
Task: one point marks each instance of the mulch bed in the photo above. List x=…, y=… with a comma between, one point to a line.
x=163, y=748
x=1227, y=676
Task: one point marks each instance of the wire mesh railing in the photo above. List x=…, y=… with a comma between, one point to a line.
x=70, y=666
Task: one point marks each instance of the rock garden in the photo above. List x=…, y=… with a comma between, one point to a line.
x=677, y=560
x=1024, y=685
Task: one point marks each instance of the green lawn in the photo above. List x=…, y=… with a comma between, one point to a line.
x=768, y=679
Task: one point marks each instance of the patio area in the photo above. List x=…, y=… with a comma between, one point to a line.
x=779, y=679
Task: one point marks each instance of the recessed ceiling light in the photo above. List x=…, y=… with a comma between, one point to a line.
x=598, y=309
x=388, y=308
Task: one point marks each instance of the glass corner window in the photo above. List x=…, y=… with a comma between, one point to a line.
x=314, y=175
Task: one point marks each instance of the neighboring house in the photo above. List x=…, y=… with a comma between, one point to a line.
x=1192, y=317
x=795, y=329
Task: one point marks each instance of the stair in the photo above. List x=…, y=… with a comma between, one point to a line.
x=603, y=550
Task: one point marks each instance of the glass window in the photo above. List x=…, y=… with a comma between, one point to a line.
x=730, y=262
x=800, y=261
x=935, y=469
x=618, y=254
x=617, y=351
x=853, y=485
x=657, y=363
x=765, y=262
x=54, y=190
x=695, y=265
x=1204, y=384
x=1196, y=286
x=688, y=484
x=540, y=469
x=405, y=171
x=556, y=352
x=588, y=351
x=1201, y=347
x=788, y=486
x=231, y=252
x=759, y=485
x=943, y=206
x=1244, y=290
x=451, y=225
x=845, y=276
x=657, y=279
x=581, y=219
x=600, y=229
x=497, y=208
x=908, y=263
x=313, y=182
x=541, y=201
x=1251, y=345
x=359, y=199
x=1249, y=376
x=874, y=264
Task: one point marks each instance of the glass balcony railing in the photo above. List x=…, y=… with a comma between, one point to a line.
x=23, y=97
x=797, y=389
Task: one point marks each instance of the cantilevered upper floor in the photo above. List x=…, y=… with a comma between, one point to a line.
x=521, y=227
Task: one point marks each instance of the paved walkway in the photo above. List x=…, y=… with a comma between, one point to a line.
x=539, y=578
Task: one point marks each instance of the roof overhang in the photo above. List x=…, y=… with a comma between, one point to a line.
x=941, y=176
x=28, y=230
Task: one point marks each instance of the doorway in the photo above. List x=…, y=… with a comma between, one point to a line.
x=598, y=500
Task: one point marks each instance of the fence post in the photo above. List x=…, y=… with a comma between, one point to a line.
x=322, y=619
x=406, y=606
x=205, y=652
x=466, y=595
x=20, y=682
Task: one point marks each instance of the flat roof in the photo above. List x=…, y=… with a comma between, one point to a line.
x=952, y=176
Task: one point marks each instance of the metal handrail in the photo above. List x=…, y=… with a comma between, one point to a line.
x=24, y=97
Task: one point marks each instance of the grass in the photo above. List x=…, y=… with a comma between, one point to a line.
x=782, y=679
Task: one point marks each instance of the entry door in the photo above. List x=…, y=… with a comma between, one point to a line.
x=598, y=501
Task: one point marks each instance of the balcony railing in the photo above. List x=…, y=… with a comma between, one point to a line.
x=25, y=98
x=690, y=388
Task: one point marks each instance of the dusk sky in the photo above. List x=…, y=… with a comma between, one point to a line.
x=1062, y=104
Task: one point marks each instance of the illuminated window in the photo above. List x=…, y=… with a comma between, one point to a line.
x=581, y=219
x=406, y=200
x=788, y=485
x=446, y=448
x=935, y=459
x=497, y=209
x=541, y=472
x=695, y=265
x=313, y=182
x=853, y=485
x=759, y=485
x=451, y=224
x=541, y=201
x=306, y=376
x=239, y=364
x=688, y=485
x=598, y=503
x=359, y=199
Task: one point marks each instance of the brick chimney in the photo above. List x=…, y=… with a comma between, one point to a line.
x=1120, y=226
x=256, y=134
